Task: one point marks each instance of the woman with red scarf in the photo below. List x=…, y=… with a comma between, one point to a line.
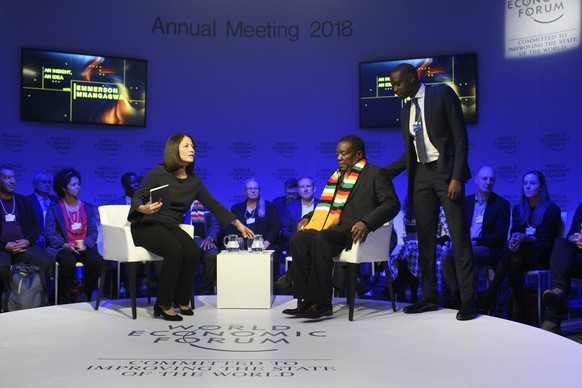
x=71, y=235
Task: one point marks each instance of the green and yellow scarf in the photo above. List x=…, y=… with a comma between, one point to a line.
x=333, y=199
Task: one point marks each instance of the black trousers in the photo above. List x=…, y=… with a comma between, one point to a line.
x=313, y=253
x=430, y=192
x=92, y=261
x=181, y=256
x=565, y=263
x=33, y=255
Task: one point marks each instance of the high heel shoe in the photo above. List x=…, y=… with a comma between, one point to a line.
x=187, y=311
x=158, y=311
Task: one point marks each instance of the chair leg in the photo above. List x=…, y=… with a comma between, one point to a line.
x=389, y=283
x=148, y=271
x=56, y=282
x=352, y=274
x=101, y=283
x=132, y=288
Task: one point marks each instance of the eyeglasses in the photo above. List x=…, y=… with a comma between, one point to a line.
x=252, y=188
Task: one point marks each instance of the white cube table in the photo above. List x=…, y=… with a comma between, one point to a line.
x=244, y=280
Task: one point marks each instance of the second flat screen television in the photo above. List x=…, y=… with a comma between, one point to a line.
x=380, y=107
x=80, y=88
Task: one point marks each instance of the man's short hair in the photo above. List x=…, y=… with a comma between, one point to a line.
x=356, y=142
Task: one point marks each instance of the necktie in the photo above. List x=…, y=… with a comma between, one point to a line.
x=419, y=133
x=45, y=204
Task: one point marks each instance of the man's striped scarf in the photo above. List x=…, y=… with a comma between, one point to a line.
x=333, y=199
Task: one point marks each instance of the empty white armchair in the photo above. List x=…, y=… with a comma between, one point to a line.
x=376, y=248
x=118, y=246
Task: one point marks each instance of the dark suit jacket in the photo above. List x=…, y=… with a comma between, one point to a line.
x=27, y=218
x=447, y=132
x=56, y=229
x=495, y=220
x=372, y=201
x=38, y=207
x=268, y=226
x=292, y=218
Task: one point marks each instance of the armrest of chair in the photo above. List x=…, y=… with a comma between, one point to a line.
x=116, y=242
x=188, y=229
x=375, y=248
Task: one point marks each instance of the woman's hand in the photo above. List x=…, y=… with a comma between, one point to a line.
x=246, y=232
x=71, y=248
x=150, y=207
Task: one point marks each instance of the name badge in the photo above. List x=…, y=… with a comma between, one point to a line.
x=417, y=126
x=10, y=218
x=76, y=226
x=250, y=220
x=479, y=219
x=530, y=231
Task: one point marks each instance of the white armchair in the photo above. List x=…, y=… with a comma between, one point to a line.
x=376, y=248
x=118, y=246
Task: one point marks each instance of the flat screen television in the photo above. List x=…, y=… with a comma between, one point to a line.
x=81, y=88
x=380, y=107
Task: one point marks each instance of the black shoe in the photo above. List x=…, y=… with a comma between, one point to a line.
x=421, y=307
x=187, y=311
x=467, y=311
x=158, y=311
x=487, y=303
x=317, y=310
x=552, y=327
x=300, y=308
x=284, y=285
x=555, y=299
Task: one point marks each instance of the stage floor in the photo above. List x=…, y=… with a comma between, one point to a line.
x=73, y=345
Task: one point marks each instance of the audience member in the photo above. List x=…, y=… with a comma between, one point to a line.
x=291, y=195
x=130, y=183
x=565, y=263
x=404, y=267
x=42, y=199
x=535, y=225
x=258, y=215
x=156, y=225
x=436, y=161
x=71, y=236
x=358, y=198
x=206, y=230
x=19, y=229
x=488, y=216
x=293, y=214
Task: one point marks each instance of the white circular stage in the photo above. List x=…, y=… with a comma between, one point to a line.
x=74, y=345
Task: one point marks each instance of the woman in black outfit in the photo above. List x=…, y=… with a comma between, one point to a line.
x=157, y=228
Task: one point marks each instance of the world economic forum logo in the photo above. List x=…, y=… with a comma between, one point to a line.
x=282, y=174
x=374, y=149
x=540, y=11
x=108, y=174
x=508, y=173
x=244, y=149
x=241, y=174
x=558, y=172
x=12, y=141
x=287, y=149
x=556, y=141
x=507, y=144
x=61, y=144
x=232, y=338
x=152, y=147
x=109, y=147
x=203, y=148
x=327, y=148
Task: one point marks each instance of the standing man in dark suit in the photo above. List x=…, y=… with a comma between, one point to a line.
x=42, y=199
x=358, y=199
x=488, y=215
x=436, y=161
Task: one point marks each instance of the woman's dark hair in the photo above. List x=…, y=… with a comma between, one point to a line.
x=62, y=179
x=172, y=160
x=525, y=211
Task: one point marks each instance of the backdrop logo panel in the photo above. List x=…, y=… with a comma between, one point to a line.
x=509, y=173
x=19, y=171
x=61, y=144
x=104, y=199
x=12, y=141
x=507, y=144
x=556, y=141
x=374, y=149
x=287, y=149
x=564, y=201
x=557, y=172
x=541, y=27
x=152, y=147
x=204, y=173
x=109, y=147
x=108, y=174
x=241, y=175
x=244, y=149
x=282, y=174
x=203, y=148
x=327, y=148
x=323, y=174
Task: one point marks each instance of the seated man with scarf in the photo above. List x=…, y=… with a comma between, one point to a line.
x=358, y=199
